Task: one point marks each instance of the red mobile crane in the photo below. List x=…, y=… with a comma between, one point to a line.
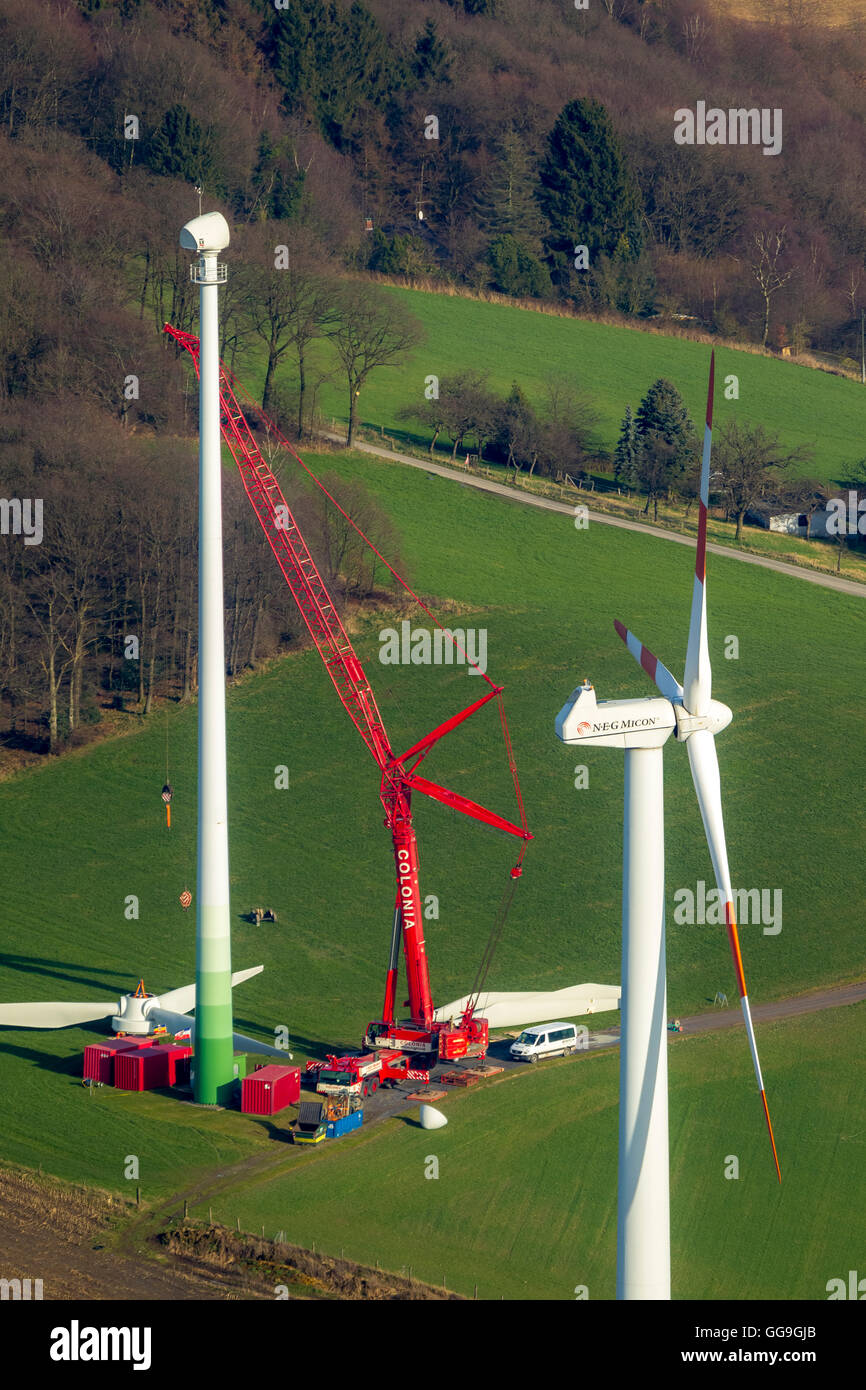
x=421, y=1033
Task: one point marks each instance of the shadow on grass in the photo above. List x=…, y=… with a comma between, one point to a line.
x=403, y=438
x=59, y=970
x=64, y=1066
x=281, y=1133
x=311, y=1047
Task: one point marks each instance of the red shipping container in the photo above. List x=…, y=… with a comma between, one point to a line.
x=270, y=1089
x=99, y=1057
x=147, y=1068
x=180, y=1062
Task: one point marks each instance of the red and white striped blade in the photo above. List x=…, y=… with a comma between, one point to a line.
x=698, y=679
x=667, y=683
x=704, y=763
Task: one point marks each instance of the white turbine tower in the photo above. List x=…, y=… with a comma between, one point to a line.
x=208, y=235
x=642, y=727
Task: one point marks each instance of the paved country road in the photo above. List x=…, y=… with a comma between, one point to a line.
x=826, y=581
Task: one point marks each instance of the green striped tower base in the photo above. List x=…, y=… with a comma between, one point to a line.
x=214, y=1048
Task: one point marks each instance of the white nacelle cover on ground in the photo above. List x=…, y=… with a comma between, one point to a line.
x=431, y=1118
x=510, y=1010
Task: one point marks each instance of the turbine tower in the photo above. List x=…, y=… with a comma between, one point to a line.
x=208, y=235
x=642, y=727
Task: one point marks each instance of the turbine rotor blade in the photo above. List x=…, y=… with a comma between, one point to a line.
x=178, y=1022
x=183, y=997
x=239, y=976
x=244, y=1044
x=179, y=1000
x=704, y=764
x=698, y=679
x=667, y=684
x=59, y=1014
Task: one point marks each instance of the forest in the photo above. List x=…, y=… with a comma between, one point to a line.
x=489, y=145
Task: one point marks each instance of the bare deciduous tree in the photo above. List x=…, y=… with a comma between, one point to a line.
x=764, y=259
x=373, y=330
x=748, y=461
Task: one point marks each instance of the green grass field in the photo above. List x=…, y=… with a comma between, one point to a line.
x=524, y=1204
x=615, y=366
x=86, y=831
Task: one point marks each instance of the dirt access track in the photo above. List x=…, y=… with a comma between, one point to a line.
x=62, y=1235
x=88, y=1245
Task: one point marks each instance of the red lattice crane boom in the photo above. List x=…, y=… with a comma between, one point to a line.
x=398, y=774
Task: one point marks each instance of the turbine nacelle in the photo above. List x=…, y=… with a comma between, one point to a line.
x=132, y=1015
x=641, y=723
x=208, y=234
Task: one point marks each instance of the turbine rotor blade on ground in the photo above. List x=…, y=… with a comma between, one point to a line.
x=183, y=997
x=514, y=1008
x=179, y=1022
x=698, y=679
x=667, y=683
x=59, y=1014
x=704, y=764
x=179, y=1000
x=244, y=1044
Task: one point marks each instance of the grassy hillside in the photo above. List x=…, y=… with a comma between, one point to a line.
x=85, y=832
x=614, y=366
x=525, y=1202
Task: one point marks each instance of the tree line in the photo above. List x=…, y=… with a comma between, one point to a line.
x=555, y=436
x=319, y=113
x=658, y=452
x=104, y=611
x=308, y=126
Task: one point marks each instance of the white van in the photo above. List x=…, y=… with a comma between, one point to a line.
x=545, y=1040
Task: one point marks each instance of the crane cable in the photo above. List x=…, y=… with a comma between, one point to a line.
x=492, y=943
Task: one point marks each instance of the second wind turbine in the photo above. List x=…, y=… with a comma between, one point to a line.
x=641, y=727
